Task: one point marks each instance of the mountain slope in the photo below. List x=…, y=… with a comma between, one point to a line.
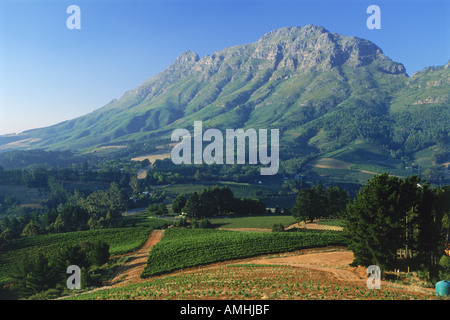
x=321, y=89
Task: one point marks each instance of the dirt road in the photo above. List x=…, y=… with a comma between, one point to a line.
x=130, y=272
x=336, y=261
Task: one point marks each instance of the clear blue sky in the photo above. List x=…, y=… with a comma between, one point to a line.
x=49, y=73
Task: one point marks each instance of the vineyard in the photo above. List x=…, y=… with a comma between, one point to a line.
x=120, y=240
x=254, y=222
x=193, y=247
x=240, y=190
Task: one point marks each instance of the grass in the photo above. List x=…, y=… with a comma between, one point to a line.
x=26, y=196
x=423, y=157
x=260, y=222
x=240, y=190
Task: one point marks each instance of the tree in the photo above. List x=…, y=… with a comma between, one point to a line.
x=247, y=206
x=31, y=229
x=178, y=203
x=308, y=205
x=157, y=209
x=224, y=199
x=208, y=204
x=97, y=252
x=33, y=275
x=431, y=234
x=192, y=207
x=278, y=209
x=373, y=222
x=278, y=227
x=101, y=202
x=390, y=213
x=336, y=201
x=202, y=224
x=136, y=185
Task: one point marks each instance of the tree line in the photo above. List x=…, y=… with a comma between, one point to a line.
x=216, y=201
x=319, y=202
x=101, y=208
x=389, y=214
x=44, y=277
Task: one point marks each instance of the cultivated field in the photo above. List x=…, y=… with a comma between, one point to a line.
x=31, y=197
x=309, y=273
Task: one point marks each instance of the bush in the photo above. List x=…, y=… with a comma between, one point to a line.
x=202, y=224
x=157, y=209
x=182, y=222
x=444, y=263
x=278, y=227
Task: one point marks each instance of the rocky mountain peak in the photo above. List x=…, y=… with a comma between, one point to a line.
x=315, y=48
x=293, y=32
x=187, y=57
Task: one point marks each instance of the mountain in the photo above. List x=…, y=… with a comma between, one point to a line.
x=323, y=90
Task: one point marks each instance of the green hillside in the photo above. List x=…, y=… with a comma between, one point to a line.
x=325, y=93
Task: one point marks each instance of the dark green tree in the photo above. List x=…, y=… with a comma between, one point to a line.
x=178, y=203
x=309, y=204
x=336, y=201
x=157, y=209
x=208, y=203
x=373, y=222
x=192, y=207
x=224, y=199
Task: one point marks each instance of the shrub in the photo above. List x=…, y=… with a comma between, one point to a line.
x=278, y=227
x=444, y=263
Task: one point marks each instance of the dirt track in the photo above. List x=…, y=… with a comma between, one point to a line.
x=130, y=272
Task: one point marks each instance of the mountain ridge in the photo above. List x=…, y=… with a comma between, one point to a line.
x=322, y=89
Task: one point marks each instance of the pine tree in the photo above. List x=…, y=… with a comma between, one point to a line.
x=309, y=204
x=178, y=203
x=192, y=207
x=373, y=222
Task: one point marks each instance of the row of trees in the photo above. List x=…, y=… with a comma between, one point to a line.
x=390, y=213
x=41, y=177
x=319, y=202
x=216, y=201
x=102, y=208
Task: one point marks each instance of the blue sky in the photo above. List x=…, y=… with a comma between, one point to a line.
x=49, y=73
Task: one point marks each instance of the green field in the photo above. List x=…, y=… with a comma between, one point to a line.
x=193, y=247
x=120, y=240
x=240, y=190
x=26, y=196
x=261, y=222
x=357, y=162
